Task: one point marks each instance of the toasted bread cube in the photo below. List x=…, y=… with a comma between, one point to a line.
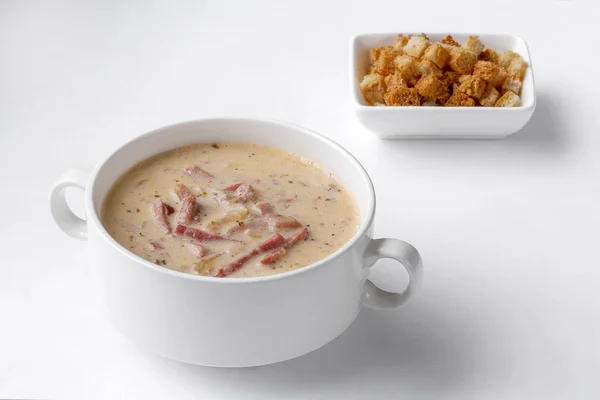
x=474, y=44
x=399, y=49
x=517, y=68
x=454, y=88
x=428, y=67
x=444, y=98
x=509, y=99
x=407, y=66
x=449, y=78
x=400, y=42
x=430, y=88
x=403, y=39
x=490, y=72
x=489, y=96
x=459, y=99
x=489, y=55
x=416, y=46
x=373, y=88
x=395, y=80
x=449, y=41
x=384, y=64
x=429, y=104
x=437, y=54
x=471, y=85
x=374, y=54
x=512, y=84
x=506, y=57
x=462, y=61
x=400, y=96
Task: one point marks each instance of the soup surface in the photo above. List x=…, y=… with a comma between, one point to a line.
x=230, y=210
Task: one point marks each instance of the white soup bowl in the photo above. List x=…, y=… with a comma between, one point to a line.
x=231, y=322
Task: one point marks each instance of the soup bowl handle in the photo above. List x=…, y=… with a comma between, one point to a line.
x=64, y=217
x=405, y=254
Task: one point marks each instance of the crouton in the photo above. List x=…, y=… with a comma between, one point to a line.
x=471, y=85
x=437, y=54
x=416, y=46
x=449, y=40
x=395, y=80
x=428, y=67
x=489, y=55
x=449, y=78
x=400, y=96
x=517, y=68
x=459, y=99
x=473, y=44
x=511, y=84
x=490, y=72
x=430, y=88
x=489, y=97
x=415, y=71
x=506, y=57
x=373, y=88
x=462, y=61
x=444, y=97
x=400, y=42
x=508, y=99
x=407, y=66
x=403, y=39
x=384, y=64
x=374, y=54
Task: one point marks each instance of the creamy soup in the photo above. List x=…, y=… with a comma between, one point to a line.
x=230, y=210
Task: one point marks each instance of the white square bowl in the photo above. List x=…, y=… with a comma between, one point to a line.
x=408, y=122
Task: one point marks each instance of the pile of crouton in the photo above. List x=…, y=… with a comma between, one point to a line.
x=415, y=72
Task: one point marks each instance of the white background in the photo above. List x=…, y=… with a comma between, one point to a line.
x=509, y=230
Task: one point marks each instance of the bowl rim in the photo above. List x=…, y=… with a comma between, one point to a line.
x=355, y=84
x=93, y=218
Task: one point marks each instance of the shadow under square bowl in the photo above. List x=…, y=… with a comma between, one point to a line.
x=420, y=122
